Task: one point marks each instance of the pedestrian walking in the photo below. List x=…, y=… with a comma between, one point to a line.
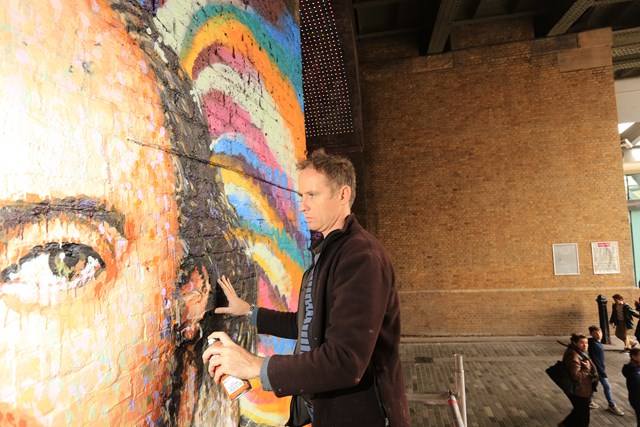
x=622, y=318
x=584, y=374
x=596, y=353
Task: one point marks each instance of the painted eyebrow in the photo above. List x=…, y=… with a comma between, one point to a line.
x=76, y=208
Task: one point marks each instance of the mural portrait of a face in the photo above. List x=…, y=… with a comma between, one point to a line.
x=127, y=185
x=107, y=229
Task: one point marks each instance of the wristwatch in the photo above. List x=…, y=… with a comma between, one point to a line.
x=252, y=308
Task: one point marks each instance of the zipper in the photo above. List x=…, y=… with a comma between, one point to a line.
x=376, y=387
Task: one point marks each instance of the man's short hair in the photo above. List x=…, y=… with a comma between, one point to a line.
x=634, y=351
x=338, y=170
x=575, y=337
x=618, y=297
x=594, y=328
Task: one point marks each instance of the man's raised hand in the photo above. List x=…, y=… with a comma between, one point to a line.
x=237, y=306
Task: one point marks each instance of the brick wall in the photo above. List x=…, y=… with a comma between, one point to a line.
x=478, y=161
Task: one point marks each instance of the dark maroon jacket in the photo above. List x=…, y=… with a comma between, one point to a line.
x=352, y=372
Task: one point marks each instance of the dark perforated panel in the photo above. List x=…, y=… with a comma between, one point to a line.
x=327, y=106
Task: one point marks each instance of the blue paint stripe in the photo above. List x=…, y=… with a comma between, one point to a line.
x=251, y=219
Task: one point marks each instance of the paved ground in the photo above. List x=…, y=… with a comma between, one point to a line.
x=506, y=383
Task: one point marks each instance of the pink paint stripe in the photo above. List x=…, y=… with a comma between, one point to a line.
x=269, y=296
x=218, y=53
x=225, y=116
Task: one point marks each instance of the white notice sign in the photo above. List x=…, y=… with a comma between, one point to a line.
x=565, y=259
x=605, y=257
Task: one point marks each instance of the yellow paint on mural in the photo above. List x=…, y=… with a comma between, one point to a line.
x=260, y=204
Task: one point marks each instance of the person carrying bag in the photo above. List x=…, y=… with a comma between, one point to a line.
x=578, y=381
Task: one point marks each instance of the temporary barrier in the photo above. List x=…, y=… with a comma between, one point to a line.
x=456, y=399
x=456, y=416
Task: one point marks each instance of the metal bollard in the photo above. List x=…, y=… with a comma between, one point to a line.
x=455, y=411
x=459, y=385
x=604, y=319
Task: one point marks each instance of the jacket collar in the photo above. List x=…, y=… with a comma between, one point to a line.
x=581, y=353
x=318, y=240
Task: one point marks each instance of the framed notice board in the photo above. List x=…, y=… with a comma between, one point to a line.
x=565, y=259
x=605, y=257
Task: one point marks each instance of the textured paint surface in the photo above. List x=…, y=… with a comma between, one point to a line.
x=244, y=60
x=126, y=187
x=93, y=351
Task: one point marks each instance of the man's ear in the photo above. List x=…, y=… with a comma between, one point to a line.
x=193, y=299
x=345, y=194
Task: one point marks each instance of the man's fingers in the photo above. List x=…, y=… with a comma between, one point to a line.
x=225, y=282
x=222, y=336
x=217, y=375
x=210, y=357
x=212, y=367
x=210, y=353
x=222, y=310
x=226, y=286
x=223, y=285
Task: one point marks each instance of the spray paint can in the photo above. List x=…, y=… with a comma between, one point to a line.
x=234, y=387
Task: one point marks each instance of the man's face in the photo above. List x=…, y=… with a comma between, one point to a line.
x=84, y=284
x=582, y=344
x=323, y=207
x=597, y=335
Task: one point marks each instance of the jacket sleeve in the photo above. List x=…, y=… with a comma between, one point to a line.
x=361, y=285
x=278, y=323
x=613, y=319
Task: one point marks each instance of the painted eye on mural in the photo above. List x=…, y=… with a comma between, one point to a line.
x=48, y=269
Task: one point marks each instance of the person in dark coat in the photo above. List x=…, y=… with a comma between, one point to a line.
x=346, y=369
x=631, y=372
x=596, y=353
x=584, y=374
x=622, y=318
x=637, y=332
